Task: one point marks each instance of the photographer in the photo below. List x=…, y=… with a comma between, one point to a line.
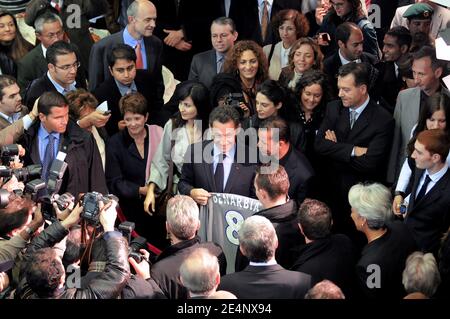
x=44, y=274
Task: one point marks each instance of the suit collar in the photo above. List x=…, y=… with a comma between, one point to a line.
x=169, y=251
x=432, y=195
x=280, y=213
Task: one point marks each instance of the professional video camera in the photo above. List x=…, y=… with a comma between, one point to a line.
x=235, y=100
x=91, y=208
x=7, y=152
x=23, y=174
x=135, y=244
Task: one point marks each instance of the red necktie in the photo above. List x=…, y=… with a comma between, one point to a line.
x=139, y=61
x=56, y=5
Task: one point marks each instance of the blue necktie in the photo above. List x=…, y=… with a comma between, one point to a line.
x=48, y=157
x=423, y=189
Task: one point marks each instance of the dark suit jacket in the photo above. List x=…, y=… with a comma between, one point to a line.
x=166, y=270
x=388, y=85
x=7, y=65
x=389, y=252
x=332, y=258
x=98, y=62
x=39, y=86
x=204, y=67
x=429, y=218
x=373, y=129
x=266, y=282
x=108, y=91
x=300, y=174
x=201, y=175
x=332, y=64
x=33, y=65
x=284, y=219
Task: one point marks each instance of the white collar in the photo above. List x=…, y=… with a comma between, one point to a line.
x=267, y=263
x=438, y=175
x=344, y=61
x=361, y=108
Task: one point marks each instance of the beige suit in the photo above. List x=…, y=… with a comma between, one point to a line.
x=440, y=21
x=275, y=62
x=10, y=133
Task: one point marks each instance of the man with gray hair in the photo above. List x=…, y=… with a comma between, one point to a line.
x=138, y=34
x=421, y=276
x=263, y=278
x=205, y=65
x=182, y=225
x=199, y=273
x=325, y=290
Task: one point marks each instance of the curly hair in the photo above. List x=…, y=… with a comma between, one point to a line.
x=18, y=47
x=79, y=99
x=299, y=20
x=318, y=56
x=233, y=56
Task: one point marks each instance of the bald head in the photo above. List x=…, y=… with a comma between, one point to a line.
x=141, y=18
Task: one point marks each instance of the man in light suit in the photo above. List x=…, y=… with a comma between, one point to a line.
x=206, y=65
x=440, y=21
x=14, y=117
x=355, y=138
x=427, y=72
x=139, y=32
x=264, y=278
x=220, y=165
x=428, y=215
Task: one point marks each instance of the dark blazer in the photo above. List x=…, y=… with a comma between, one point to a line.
x=39, y=86
x=332, y=64
x=34, y=65
x=84, y=171
x=166, y=270
x=284, y=219
x=389, y=252
x=7, y=65
x=201, y=175
x=300, y=174
x=388, y=85
x=145, y=84
x=204, y=67
x=332, y=258
x=266, y=282
x=429, y=218
x=98, y=62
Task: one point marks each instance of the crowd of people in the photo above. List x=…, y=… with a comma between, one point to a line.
x=118, y=126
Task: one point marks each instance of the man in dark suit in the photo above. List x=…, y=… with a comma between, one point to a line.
x=325, y=255
x=137, y=34
x=75, y=21
x=62, y=64
x=428, y=215
x=272, y=191
x=206, y=65
x=396, y=45
x=49, y=29
x=263, y=278
x=355, y=138
x=350, y=40
x=220, y=165
x=126, y=79
x=53, y=134
x=280, y=150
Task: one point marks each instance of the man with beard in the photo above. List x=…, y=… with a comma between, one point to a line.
x=419, y=18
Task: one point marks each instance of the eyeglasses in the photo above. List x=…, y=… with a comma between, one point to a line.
x=68, y=67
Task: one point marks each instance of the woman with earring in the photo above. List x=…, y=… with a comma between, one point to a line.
x=380, y=266
x=246, y=60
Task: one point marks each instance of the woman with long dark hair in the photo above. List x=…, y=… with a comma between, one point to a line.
x=12, y=42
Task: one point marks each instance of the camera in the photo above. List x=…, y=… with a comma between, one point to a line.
x=31, y=190
x=234, y=100
x=8, y=151
x=62, y=201
x=91, y=208
x=126, y=228
x=23, y=174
